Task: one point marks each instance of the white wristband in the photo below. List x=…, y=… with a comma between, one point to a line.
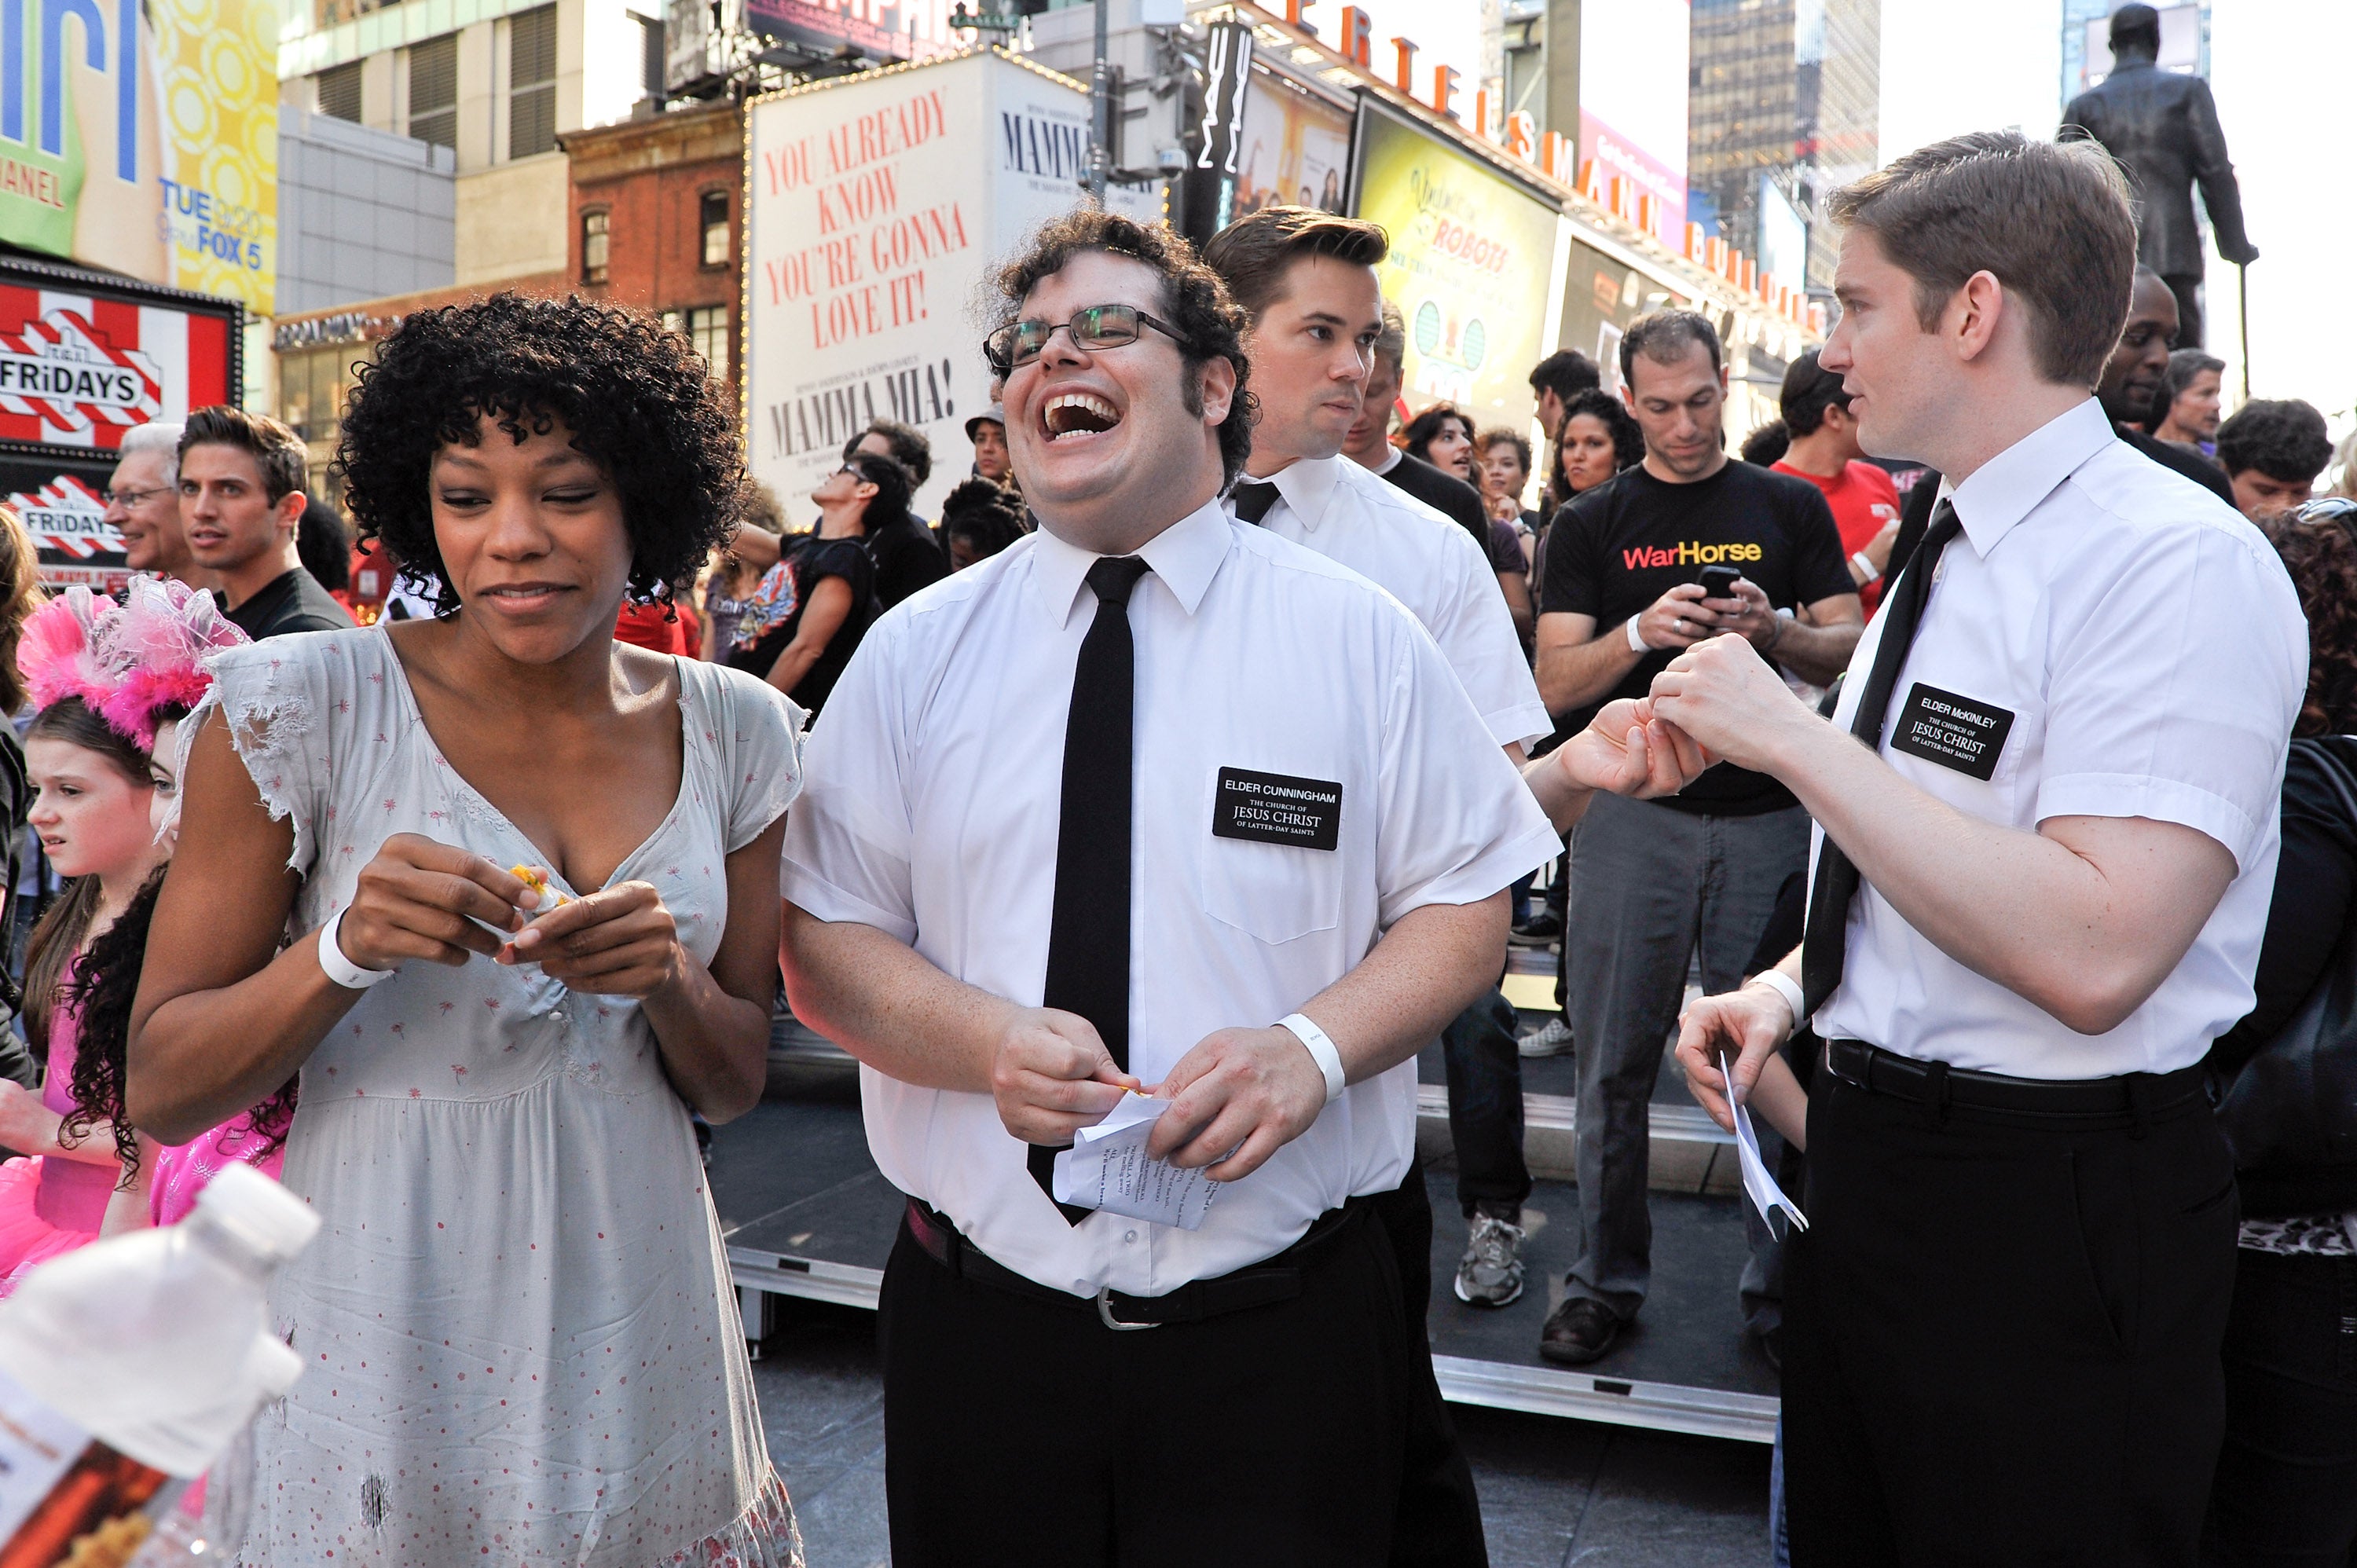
x=1637, y=643
x=1782, y=985
x=1865, y=565
x=342, y=971
x=1321, y=1050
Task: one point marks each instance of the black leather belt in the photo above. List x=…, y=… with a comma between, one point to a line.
x=1261, y=1285
x=2135, y=1097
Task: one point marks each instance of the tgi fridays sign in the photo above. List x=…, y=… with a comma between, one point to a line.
x=65, y=511
x=79, y=369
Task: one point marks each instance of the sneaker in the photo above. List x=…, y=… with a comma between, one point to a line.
x=1544, y=929
x=1579, y=1331
x=1491, y=1273
x=1554, y=1041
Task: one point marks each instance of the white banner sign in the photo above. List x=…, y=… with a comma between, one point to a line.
x=880, y=204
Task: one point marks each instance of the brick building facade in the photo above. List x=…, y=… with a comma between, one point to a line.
x=656, y=219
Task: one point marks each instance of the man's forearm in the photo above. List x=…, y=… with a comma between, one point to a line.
x=1428, y=968
x=883, y=1001
x=1564, y=802
x=2037, y=916
x=1816, y=653
x=1575, y=676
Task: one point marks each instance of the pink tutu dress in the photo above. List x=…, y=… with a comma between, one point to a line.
x=50, y=1204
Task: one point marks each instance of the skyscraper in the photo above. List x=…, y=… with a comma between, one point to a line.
x=1781, y=108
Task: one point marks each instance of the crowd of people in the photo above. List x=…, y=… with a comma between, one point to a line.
x=463, y=922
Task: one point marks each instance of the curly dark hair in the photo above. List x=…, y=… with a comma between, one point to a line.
x=2283, y=438
x=2322, y=560
x=1210, y=324
x=636, y=397
x=1628, y=438
x=986, y=516
x=105, y=982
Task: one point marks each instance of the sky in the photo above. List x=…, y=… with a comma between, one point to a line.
x=2280, y=72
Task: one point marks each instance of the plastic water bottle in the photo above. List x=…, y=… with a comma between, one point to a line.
x=131, y=1365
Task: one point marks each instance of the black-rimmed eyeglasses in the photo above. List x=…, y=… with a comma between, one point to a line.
x=1098, y=327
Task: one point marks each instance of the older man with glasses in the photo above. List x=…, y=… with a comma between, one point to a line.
x=143, y=505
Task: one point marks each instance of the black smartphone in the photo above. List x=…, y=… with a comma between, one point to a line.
x=1718, y=582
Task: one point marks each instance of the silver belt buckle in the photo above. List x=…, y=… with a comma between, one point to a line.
x=1104, y=1313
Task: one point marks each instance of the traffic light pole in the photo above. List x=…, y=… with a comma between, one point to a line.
x=1099, y=114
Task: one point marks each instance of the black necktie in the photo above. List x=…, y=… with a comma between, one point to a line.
x=1088, y=934
x=1253, y=498
x=1824, y=942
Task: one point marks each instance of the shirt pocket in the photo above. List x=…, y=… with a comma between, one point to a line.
x=1275, y=892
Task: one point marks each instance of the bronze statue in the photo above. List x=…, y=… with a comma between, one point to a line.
x=2164, y=130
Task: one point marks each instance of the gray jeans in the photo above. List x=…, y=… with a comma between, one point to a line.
x=1650, y=886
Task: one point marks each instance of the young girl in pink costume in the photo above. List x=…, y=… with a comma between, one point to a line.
x=111, y=683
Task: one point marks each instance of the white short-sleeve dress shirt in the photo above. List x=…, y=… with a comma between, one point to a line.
x=929, y=810
x=1428, y=562
x=2104, y=638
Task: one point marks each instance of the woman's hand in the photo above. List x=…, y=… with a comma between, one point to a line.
x=419, y=898
x=27, y=1125
x=617, y=941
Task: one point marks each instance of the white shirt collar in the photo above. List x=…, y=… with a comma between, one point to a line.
x=1391, y=455
x=1186, y=557
x=2009, y=486
x=1307, y=484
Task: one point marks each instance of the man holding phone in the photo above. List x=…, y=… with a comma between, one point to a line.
x=1686, y=546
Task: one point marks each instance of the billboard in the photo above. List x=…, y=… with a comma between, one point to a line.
x=144, y=139
x=1295, y=149
x=1633, y=99
x=1601, y=296
x=82, y=360
x=63, y=504
x=823, y=27
x=1472, y=254
x=877, y=205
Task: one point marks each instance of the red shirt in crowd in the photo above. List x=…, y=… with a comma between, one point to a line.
x=648, y=626
x=1863, y=498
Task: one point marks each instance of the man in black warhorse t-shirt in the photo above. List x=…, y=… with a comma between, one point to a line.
x=1651, y=880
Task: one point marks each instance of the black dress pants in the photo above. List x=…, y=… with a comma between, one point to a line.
x=1439, y=1522
x=1484, y=1064
x=1026, y=1433
x=2001, y=1341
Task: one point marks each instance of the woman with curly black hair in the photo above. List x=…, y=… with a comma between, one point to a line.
x=522, y=1338
x=1598, y=437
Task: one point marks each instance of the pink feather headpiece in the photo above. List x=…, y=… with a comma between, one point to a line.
x=130, y=662
x=57, y=650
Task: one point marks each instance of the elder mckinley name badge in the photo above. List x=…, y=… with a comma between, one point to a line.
x=1953, y=731
x=1277, y=808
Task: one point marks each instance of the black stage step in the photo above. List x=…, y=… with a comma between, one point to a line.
x=805, y=1213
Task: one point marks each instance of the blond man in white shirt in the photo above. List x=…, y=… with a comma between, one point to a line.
x=927, y=887
x=2038, y=892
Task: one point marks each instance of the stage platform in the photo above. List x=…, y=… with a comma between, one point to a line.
x=805, y=1213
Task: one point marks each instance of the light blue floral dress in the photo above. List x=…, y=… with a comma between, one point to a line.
x=520, y=1337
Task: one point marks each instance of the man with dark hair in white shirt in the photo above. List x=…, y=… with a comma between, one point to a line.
x=1307, y=279
x=2039, y=891
x=1055, y=846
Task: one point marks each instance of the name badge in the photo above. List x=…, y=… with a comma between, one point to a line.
x=1277, y=808
x=1953, y=731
